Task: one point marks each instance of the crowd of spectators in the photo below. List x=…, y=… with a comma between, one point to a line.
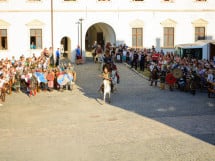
x=149, y=59
x=22, y=69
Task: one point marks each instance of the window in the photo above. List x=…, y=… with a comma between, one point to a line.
x=199, y=33
x=3, y=39
x=168, y=37
x=137, y=37
x=201, y=0
x=36, y=38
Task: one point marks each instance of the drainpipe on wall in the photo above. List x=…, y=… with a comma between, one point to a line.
x=52, y=28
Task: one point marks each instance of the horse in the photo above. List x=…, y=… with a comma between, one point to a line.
x=107, y=90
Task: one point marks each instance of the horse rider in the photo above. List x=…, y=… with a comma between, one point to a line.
x=106, y=75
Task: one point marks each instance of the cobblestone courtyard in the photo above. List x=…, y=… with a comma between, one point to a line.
x=142, y=123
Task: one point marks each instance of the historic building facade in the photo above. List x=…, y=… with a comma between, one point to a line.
x=29, y=26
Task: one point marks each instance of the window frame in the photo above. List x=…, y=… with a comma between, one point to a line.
x=34, y=1
x=1, y=47
x=167, y=44
x=167, y=1
x=200, y=0
x=69, y=0
x=137, y=0
x=137, y=36
x=198, y=34
x=41, y=39
x=103, y=0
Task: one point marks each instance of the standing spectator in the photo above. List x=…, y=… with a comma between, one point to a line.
x=51, y=57
x=142, y=61
x=210, y=77
x=154, y=75
x=94, y=47
x=135, y=60
x=128, y=57
x=113, y=53
x=50, y=77
x=99, y=52
x=34, y=58
x=78, y=55
x=119, y=54
x=13, y=60
x=57, y=54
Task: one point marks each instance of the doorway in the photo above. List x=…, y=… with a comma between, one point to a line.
x=65, y=46
x=100, y=32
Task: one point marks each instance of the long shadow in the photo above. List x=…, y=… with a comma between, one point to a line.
x=194, y=115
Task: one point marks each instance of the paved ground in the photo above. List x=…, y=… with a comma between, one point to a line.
x=141, y=123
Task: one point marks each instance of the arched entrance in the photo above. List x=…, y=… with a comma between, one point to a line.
x=65, y=46
x=100, y=32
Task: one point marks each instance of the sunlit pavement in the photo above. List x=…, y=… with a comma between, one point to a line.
x=142, y=123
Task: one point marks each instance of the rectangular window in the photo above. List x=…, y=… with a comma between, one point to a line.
x=3, y=39
x=137, y=37
x=199, y=33
x=36, y=38
x=168, y=37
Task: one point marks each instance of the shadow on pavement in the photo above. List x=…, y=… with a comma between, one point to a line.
x=194, y=115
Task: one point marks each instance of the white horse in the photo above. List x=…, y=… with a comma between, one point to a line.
x=107, y=89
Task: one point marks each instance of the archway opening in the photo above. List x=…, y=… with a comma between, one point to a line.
x=100, y=32
x=65, y=46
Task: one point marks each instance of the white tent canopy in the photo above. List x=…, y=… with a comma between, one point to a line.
x=197, y=44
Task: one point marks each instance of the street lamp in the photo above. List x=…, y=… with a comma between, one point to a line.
x=80, y=21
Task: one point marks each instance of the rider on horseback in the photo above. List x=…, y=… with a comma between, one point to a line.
x=106, y=75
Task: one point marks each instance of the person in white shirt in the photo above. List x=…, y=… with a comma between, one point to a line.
x=210, y=77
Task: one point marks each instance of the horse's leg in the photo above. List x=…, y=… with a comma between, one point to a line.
x=104, y=96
